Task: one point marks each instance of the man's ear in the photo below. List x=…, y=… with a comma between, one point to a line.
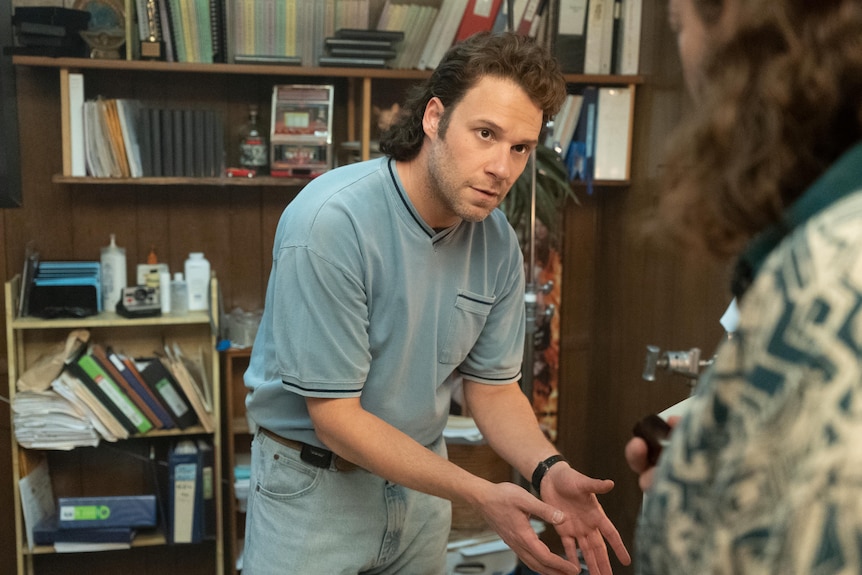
x=433, y=114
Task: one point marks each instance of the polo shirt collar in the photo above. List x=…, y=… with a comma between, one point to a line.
x=413, y=213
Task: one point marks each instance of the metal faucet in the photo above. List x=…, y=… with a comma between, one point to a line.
x=685, y=363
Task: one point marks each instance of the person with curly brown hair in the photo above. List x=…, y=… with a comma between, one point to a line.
x=394, y=281
x=763, y=472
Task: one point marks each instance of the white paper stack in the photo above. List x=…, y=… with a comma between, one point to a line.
x=46, y=420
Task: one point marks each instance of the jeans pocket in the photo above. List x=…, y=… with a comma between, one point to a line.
x=283, y=475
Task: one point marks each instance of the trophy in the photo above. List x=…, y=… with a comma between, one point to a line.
x=152, y=48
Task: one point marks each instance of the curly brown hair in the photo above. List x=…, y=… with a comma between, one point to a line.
x=505, y=55
x=780, y=100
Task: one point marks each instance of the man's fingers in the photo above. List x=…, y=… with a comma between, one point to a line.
x=616, y=543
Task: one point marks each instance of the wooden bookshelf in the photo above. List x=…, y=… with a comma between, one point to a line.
x=125, y=467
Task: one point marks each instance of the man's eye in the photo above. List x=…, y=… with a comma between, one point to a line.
x=521, y=149
x=485, y=134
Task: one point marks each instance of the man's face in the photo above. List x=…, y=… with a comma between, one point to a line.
x=487, y=143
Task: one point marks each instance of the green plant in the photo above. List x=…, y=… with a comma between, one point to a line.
x=552, y=191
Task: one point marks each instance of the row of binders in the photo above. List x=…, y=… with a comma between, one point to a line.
x=182, y=505
x=102, y=394
x=591, y=36
x=291, y=32
x=591, y=133
x=189, y=30
x=127, y=138
x=599, y=36
x=588, y=36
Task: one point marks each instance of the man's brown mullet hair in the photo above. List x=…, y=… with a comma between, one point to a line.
x=504, y=55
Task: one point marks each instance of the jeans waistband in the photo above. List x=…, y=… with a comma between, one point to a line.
x=311, y=454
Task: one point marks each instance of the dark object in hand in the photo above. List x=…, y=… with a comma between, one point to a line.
x=655, y=431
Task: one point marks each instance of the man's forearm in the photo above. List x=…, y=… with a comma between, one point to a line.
x=506, y=419
x=368, y=441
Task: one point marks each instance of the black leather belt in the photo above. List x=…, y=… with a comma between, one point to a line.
x=311, y=454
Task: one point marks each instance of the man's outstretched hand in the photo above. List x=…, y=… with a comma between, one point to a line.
x=573, y=509
x=585, y=525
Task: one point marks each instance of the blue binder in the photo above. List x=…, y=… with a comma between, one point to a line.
x=185, y=496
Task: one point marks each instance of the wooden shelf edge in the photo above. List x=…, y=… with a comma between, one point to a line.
x=110, y=319
x=278, y=70
x=260, y=181
x=189, y=67
x=604, y=79
x=140, y=540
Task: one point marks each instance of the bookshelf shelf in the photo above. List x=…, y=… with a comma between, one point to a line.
x=141, y=540
x=127, y=466
x=279, y=70
x=109, y=319
x=259, y=181
x=358, y=108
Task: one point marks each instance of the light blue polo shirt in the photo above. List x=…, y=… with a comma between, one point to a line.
x=366, y=300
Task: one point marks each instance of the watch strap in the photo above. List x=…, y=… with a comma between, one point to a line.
x=541, y=469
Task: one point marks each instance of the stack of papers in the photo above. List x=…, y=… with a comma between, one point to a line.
x=46, y=420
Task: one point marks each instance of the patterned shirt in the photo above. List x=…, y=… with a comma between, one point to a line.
x=763, y=475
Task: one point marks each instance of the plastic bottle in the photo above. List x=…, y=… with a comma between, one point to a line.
x=113, y=273
x=165, y=291
x=153, y=276
x=149, y=274
x=198, y=278
x=179, y=295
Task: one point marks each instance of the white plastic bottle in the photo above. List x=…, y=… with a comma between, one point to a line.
x=198, y=278
x=179, y=295
x=165, y=291
x=113, y=272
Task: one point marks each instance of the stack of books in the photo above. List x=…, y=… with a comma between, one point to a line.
x=361, y=48
x=191, y=31
x=50, y=31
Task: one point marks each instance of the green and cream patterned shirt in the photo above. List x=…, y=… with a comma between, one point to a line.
x=763, y=475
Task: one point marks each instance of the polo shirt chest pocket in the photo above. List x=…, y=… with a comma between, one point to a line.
x=466, y=321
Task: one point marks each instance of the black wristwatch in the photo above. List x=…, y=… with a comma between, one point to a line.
x=541, y=469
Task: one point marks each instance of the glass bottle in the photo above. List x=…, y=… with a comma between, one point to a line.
x=253, y=151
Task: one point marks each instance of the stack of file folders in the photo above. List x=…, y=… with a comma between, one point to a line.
x=65, y=289
x=50, y=31
x=361, y=48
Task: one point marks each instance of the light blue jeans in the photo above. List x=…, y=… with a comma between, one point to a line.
x=305, y=520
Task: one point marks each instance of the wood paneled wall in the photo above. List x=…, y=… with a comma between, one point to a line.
x=623, y=293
